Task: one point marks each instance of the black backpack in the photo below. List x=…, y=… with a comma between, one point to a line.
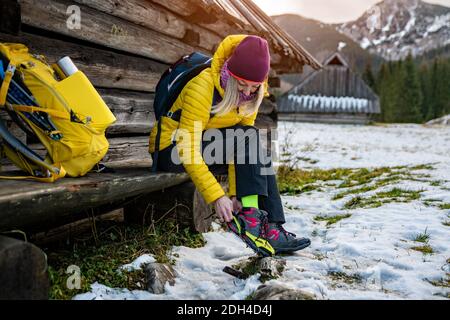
x=170, y=86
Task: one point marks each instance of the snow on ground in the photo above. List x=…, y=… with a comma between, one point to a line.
x=369, y=253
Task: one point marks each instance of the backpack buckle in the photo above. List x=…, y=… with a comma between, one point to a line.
x=169, y=114
x=11, y=68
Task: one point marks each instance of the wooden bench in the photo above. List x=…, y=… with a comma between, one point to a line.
x=30, y=205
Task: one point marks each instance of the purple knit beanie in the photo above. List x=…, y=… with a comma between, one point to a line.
x=250, y=60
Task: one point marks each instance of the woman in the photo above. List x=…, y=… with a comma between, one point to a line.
x=236, y=84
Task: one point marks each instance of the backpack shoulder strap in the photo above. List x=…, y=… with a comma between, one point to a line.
x=216, y=99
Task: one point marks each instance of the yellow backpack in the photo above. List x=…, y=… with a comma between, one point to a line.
x=65, y=113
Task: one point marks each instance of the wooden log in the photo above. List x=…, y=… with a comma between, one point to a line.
x=158, y=18
x=23, y=271
x=221, y=21
x=267, y=107
x=121, y=149
x=105, y=69
x=10, y=20
x=265, y=122
x=182, y=202
x=29, y=204
x=105, y=30
x=128, y=148
x=67, y=232
x=193, y=13
x=133, y=111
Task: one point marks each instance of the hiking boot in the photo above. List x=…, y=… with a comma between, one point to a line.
x=250, y=225
x=283, y=241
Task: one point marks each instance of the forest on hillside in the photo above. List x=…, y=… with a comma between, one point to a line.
x=412, y=90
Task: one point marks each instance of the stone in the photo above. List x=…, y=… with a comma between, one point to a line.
x=279, y=292
x=270, y=268
x=157, y=275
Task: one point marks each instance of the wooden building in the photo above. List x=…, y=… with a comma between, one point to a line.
x=124, y=47
x=334, y=94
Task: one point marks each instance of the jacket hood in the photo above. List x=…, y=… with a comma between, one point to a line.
x=223, y=52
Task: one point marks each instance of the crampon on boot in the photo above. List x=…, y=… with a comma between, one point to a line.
x=250, y=225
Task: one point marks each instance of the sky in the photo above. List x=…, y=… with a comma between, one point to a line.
x=330, y=11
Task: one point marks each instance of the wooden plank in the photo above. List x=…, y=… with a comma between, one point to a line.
x=121, y=149
x=104, y=68
x=158, y=18
x=26, y=204
x=193, y=13
x=104, y=29
x=127, y=148
x=133, y=111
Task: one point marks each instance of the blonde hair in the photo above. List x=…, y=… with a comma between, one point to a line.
x=231, y=99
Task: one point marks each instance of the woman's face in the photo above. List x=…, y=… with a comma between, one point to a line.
x=248, y=88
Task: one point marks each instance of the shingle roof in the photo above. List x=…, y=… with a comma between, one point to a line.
x=249, y=17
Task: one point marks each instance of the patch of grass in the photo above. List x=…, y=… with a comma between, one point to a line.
x=291, y=207
x=380, y=198
x=436, y=183
x=426, y=249
x=363, y=176
x=446, y=223
x=354, y=191
x=333, y=219
x=344, y=277
x=100, y=260
x=444, y=206
x=422, y=237
x=397, y=193
x=250, y=268
x=443, y=282
x=251, y=296
x=422, y=167
x=293, y=181
x=359, y=202
x=431, y=202
x=297, y=181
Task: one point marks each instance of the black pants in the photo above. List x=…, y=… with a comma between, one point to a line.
x=254, y=173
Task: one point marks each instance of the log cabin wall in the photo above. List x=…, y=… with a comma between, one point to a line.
x=124, y=47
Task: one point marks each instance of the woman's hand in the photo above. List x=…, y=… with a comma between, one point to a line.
x=224, y=209
x=237, y=205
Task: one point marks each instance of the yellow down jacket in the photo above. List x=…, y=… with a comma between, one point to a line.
x=195, y=100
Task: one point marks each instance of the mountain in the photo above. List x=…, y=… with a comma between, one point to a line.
x=322, y=40
x=395, y=28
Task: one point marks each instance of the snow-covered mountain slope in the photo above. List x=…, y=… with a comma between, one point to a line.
x=394, y=28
